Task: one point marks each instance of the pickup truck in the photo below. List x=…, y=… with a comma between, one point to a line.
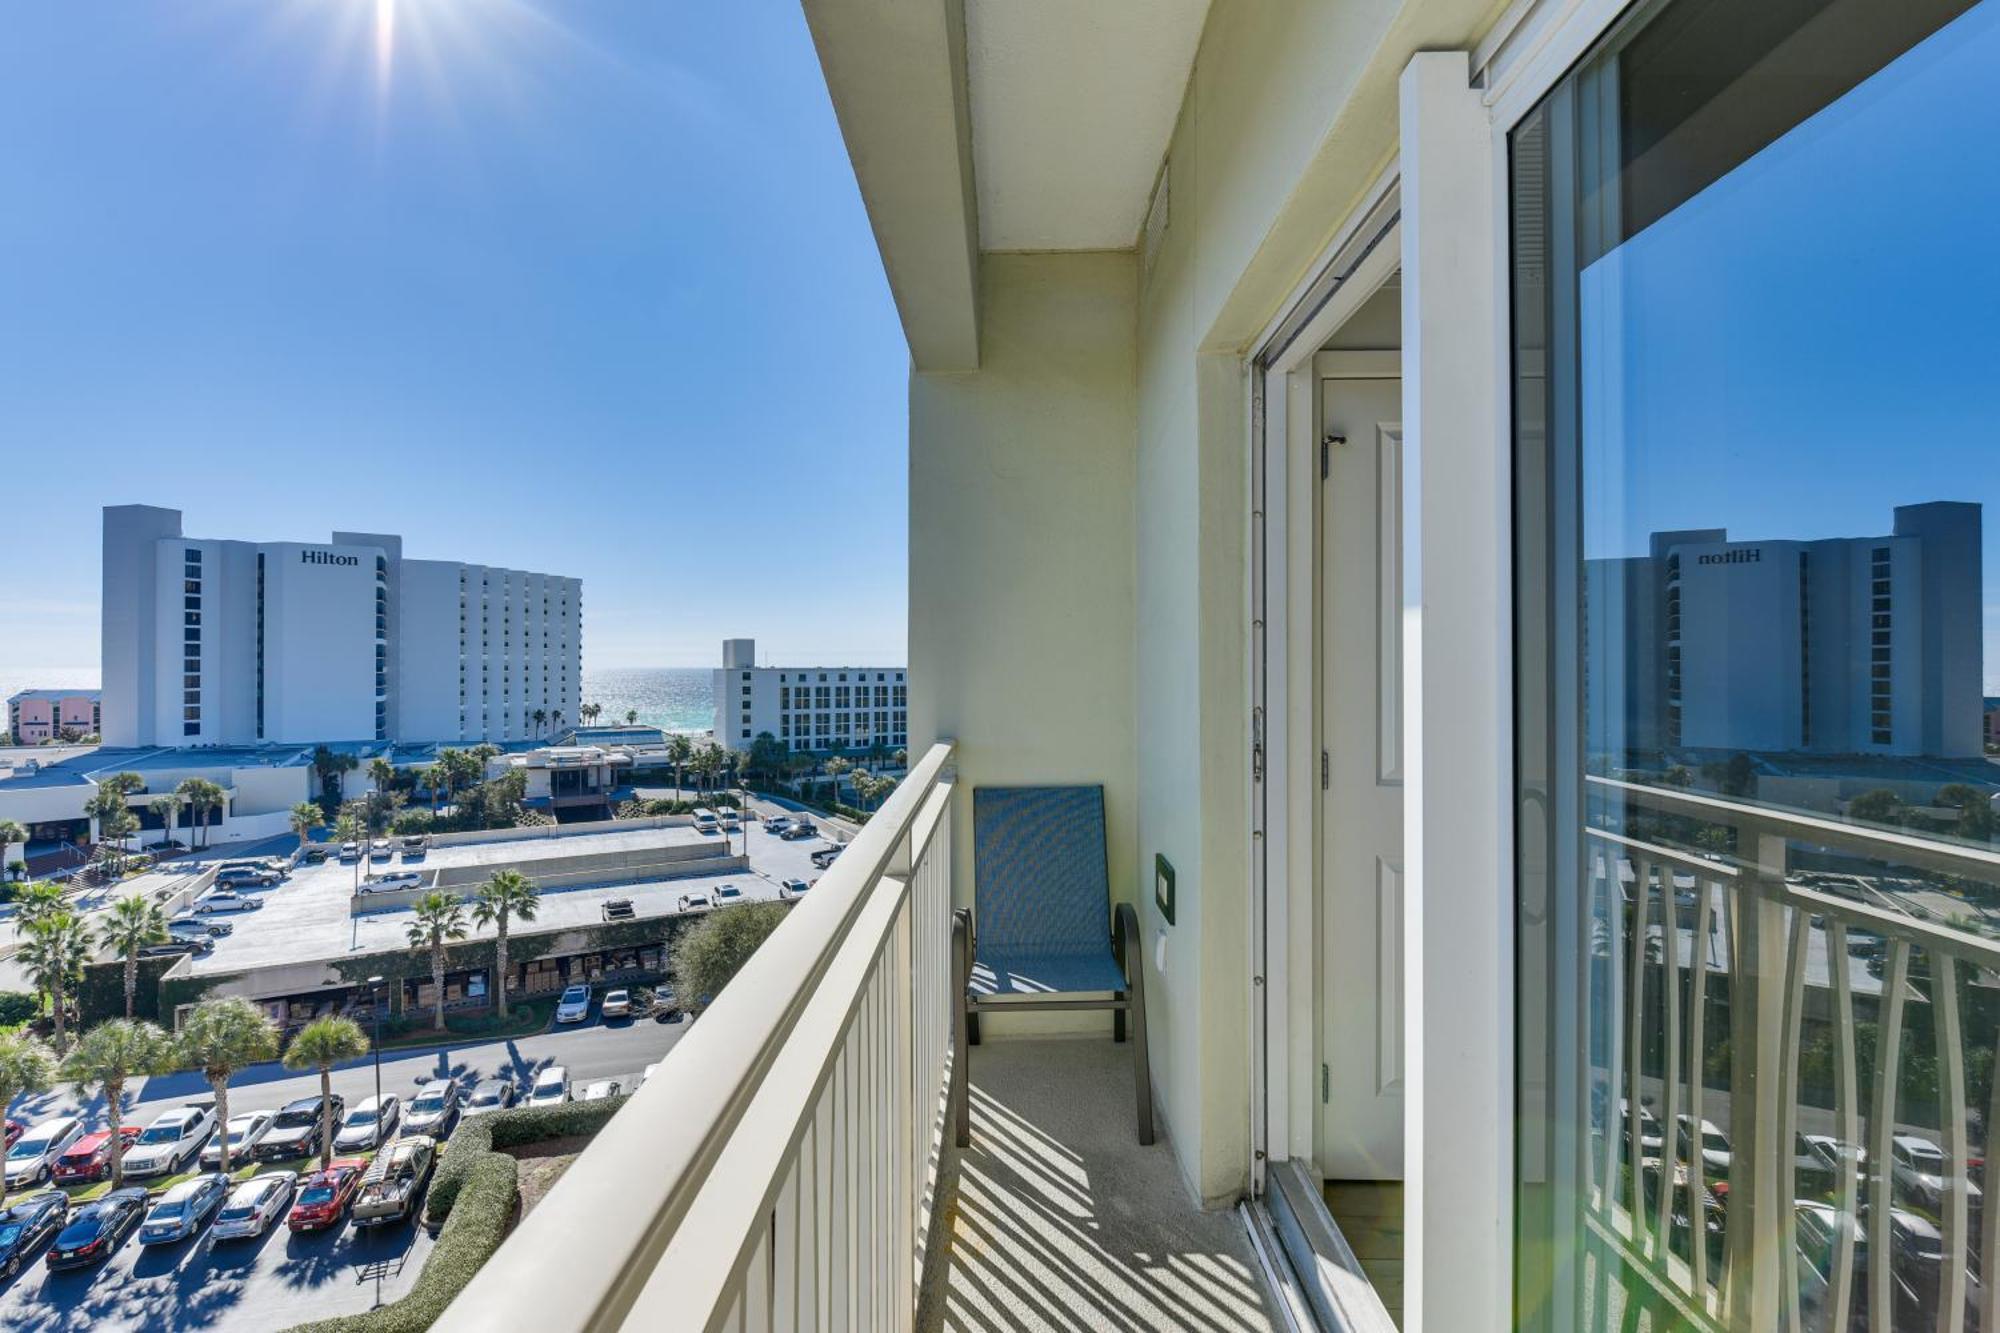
x=393, y=1181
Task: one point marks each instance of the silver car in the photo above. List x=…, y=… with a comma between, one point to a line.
x=183, y=1209
x=254, y=1205
x=369, y=1124
x=243, y=1133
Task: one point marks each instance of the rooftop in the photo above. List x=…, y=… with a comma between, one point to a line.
x=20, y=695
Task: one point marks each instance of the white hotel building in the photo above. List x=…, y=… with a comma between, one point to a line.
x=809, y=709
x=218, y=642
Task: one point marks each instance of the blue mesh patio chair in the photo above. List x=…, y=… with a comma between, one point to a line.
x=1043, y=934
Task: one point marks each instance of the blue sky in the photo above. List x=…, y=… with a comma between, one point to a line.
x=1859, y=366
x=583, y=288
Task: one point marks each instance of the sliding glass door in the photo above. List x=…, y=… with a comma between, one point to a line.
x=1756, y=321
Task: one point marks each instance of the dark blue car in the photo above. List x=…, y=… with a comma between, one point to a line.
x=26, y=1225
x=97, y=1229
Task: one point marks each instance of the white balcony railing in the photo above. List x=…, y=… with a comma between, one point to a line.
x=1705, y=960
x=778, y=1170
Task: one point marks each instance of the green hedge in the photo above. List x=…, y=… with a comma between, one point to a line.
x=488, y=1194
x=480, y=1135
x=18, y=1007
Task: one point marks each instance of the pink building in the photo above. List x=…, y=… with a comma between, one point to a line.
x=37, y=716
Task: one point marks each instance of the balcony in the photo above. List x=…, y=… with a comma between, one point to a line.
x=796, y=1159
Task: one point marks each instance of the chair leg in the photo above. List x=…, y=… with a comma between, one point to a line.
x=961, y=1019
x=1118, y=1020
x=1135, y=982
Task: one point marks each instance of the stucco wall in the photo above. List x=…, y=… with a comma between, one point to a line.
x=1022, y=578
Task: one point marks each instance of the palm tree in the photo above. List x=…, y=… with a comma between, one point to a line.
x=631, y=717
x=539, y=717
x=322, y=1044
x=219, y=1037
x=436, y=776
x=109, y=1056
x=132, y=923
x=54, y=952
x=382, y=773
x=679, y=751
x=37, y=902
x=26, y=1066
x=306, y=816
x=507, y=895
x=11, y=832
x=440, y=918
x=167, y=809
x=834, y=768
x=202, y=797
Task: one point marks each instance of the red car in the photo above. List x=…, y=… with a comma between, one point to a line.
x=89, y=1158
x=324, y=1195
x=15, y=1129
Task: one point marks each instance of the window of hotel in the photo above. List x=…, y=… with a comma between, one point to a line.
x=1754, y=281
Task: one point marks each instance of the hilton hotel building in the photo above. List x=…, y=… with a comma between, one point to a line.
x=1845, y=645
x=212, y=642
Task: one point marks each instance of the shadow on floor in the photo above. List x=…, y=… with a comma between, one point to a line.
x=1057, y=1219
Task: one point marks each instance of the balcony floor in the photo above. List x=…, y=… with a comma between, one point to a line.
x=1056, y=1218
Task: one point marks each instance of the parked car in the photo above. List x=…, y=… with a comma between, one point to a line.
x=825, y=855
x=617, y=1004
x=551, y=1087
x=434, y=1110
x=177, y=944
x=325, y=1195
x=295, y=1130
x=370, y=1124
x=315, y=856
x=243, y=1133
x=275, y=864
x=414, y=847
x=666, y=1006
x=798, y=829
x=34, y=1155
x=695, y=902
x=389, y=1189
x=574, y=1006
x=730, y=821
x=725, y=894
x=225, y=902
x=381, y=850
x=187, y=924
x=15, y=1129
x=776, y=823
x=792, y=888
x=184, y=1209
x=254, y=1205
x=89, y=1158
x=171, y=1143
x=26, y=1226
x=350, y=851
x=1716, y=1153
x=402, y=879
x=1922, y=1174
x=599, y=1091
x=491, y=1094
x=97, y=1229
x=238, y=876
x=706, y=822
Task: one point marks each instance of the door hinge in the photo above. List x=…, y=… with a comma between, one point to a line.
x=1325, y=1084
x=1326, y=454
x=1325, y=771
x=1257, y=744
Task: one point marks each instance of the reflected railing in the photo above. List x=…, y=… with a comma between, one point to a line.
x=1792, y=1051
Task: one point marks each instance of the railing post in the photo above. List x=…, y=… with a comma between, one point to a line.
x=1759, y=1162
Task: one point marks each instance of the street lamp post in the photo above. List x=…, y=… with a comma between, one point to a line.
x=375, y=995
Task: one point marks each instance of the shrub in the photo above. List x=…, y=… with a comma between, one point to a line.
x=478, y=1136
x=17, y=1007
x=489, y=1192
x=708, y=955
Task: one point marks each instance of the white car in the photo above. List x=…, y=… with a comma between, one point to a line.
x=726, y=894
x=254, y=1205
x=574, y=1006
x=776, y=823
x=551, y=1087
x=792, y=888
x=170, y=1144
x=617, y=1004
x=402, y=879
x=350, y=851
x=226, y=902
x=491, y=1094
x=695, y=902
x=1922, y=1172
x=380, y=850
x=243, y=1133
x=599, y=1091
x=370, y=1124
x=1716, y=1153
x=35, y=1152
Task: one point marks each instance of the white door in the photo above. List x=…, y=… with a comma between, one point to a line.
x=1361, y=800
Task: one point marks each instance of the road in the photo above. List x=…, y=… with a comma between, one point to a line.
x=270, y=1284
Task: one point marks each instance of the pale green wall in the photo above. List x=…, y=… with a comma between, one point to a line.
x=1022, y=603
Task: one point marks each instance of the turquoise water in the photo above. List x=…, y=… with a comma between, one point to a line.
x=671, y=698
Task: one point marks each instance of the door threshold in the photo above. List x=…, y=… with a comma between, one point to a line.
x=1336, y=1293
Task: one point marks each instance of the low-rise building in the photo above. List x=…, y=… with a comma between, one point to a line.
x=809, y=709
x=36, y=717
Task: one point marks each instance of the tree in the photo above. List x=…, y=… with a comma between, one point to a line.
x=108, y=1057
x=680, y=750
x=38, y=902
x=437, y=778
x=440, y=919
x=219, y=1037
x=631, y=717
x=306, y=816
x=540, y=718
x=328, y=767
x=11, y=832
x=26, y=1067
x=382, y=773
x=322, y=1044
x=835, y=767
x=132, y=923
x=1879, y=806
x=167, y=809
x=53, y=953
x=1678, y=776
x=768, y=755
x=707, y=956
x=508, y=894
x=1975, y=810
x=203, y=798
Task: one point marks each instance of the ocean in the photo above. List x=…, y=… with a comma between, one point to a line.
x=671, y=698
